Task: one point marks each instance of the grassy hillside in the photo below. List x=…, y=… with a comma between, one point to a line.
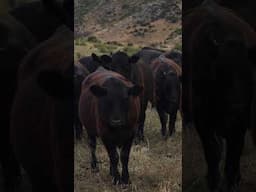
x=136, y=23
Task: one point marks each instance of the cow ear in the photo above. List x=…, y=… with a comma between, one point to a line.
x=95, y=57
x=55, y=84
x=106, y=59
x=135, y=90
x=134, y=59
x=98, y=91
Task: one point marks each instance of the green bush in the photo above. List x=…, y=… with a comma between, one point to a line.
x=93, y=39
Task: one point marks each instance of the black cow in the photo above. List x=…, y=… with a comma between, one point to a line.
x=139, y=73
x=167, y=75
x=219, y=85
x=109, y=108
x=41, y=117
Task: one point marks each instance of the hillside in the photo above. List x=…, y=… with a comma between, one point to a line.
x=139, y=22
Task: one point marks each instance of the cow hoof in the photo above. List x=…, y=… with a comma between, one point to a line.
x=163, y=133
x=138, y=141
x=116, y=181
x=125, y=181
x=165, y=137
x=124, y=186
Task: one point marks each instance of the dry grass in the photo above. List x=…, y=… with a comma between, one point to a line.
x=154, y=166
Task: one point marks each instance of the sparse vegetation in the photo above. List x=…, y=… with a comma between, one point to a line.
x=131, y=50
x=93, y=39
x=84, y=47
x=178, y=46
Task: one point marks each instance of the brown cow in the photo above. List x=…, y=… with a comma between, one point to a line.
x=41, y=120
x=109, y=107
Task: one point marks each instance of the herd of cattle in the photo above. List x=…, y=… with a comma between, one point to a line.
x=111, y=92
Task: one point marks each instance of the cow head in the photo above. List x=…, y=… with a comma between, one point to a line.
x=114, y=99
x=123, y=64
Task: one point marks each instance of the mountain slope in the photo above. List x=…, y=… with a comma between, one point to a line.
x=142, y=22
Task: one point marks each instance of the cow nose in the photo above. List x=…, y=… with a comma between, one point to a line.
x=116, y=122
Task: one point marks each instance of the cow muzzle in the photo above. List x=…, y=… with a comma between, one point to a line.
x=116, y=123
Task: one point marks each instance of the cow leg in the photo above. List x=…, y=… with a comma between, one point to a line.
x=77, y=123
x=172, y=120
x=78, y=128
x=232, y=167
x=140, y=131
x=92, y=146
x=114, y=158
x=163, y=119
x=212, y=152
x=125, y=153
